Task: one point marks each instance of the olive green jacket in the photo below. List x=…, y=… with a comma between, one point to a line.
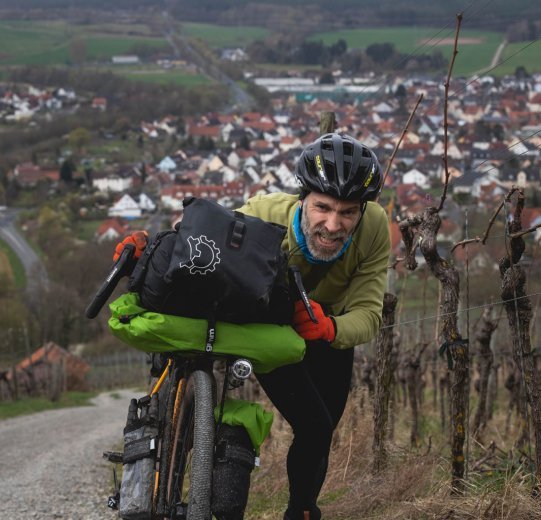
x=352, y=288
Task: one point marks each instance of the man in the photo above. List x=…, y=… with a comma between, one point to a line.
x=339, y=239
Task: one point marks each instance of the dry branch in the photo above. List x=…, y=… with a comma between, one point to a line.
x=490, y=223
x=525, y=232
x=445, y=112
x=399, y=142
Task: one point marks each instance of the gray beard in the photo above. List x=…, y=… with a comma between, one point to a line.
x=312, y=245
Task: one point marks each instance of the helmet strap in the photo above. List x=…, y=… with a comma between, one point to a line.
x=363, y=209
x=303, y=193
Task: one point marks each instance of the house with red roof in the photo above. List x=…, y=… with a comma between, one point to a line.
x=198, y=132
x=39, y=371
x=27, y=175
x=111, y=229
x=99, y=103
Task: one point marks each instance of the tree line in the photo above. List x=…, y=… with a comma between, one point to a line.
x=310, y=15
x=378, y=57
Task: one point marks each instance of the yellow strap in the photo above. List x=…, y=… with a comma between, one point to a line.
x=160, y=381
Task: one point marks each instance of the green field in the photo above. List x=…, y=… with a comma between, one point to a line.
x=52, y=43
x=219, y=36
x=471, y=58
x=17, y=268
x=60, y=43
x=161, y=77
x=530, y=58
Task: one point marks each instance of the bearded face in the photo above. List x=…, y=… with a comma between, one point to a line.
x=327, y=223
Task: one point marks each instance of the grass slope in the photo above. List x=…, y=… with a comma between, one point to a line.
x=161, y=77
x=416, y=483
x=471, y=57
x=219, y=36
x=14, y=264
x=49, y=43
x=38, y=404
x=526, y=54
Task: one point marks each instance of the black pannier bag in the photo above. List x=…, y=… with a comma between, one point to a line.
x=233, y=463
x=217, y=264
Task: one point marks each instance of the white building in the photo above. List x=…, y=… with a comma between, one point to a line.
x=146, y=203
x=167, y=165
x=125, y=60
x=416, y=177
x=113, y=183
x=125, y=207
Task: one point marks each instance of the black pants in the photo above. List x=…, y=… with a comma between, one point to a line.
x=311, y=395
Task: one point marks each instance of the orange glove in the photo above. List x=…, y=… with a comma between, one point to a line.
x=325, y=327
x=138, y=238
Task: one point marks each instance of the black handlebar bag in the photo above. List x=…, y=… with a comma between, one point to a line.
x=218, y=263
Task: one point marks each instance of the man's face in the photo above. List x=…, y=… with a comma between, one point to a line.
x=327, y=223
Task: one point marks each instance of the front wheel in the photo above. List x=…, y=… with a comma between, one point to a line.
x=190, y=475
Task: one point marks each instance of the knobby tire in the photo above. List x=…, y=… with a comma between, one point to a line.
x=193, y=450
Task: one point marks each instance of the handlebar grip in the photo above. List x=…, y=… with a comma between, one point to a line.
x=295, y=280
x=110, y=282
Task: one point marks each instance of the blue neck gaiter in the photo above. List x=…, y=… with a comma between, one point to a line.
x=301, y=241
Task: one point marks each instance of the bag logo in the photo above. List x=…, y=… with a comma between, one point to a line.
x=204, y=255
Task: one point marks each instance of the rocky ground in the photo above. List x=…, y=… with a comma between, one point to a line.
x=51, y=463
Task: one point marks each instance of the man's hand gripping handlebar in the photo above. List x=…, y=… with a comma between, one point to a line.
x=295, y=281
x=122, y=267
x=309, y=319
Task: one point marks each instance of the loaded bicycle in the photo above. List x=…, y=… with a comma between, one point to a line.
x=188, y=455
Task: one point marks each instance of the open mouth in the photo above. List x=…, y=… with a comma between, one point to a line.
x=329, y=243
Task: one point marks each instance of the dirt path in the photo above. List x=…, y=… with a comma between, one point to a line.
x=51, y=464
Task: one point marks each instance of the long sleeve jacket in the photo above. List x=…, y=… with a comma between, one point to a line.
x=353, y=286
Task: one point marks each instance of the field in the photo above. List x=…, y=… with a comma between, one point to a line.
x=161, y=76
x=10, y=266
x=472, y=56
x=6, y=273
x=529, y=57
x=61, y=43
x=219, y=36
x=55, y=43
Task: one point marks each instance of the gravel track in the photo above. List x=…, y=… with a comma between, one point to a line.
x=51, y=463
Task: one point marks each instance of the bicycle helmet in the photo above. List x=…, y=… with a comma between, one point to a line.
x=340, y=166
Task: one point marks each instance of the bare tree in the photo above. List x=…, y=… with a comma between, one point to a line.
x=384, y=374
x=519, y=314
x=413, y=378
x=421, y=231
x=484, y=363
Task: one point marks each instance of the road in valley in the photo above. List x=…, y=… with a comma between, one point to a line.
x=181, y=47
x=33, y=266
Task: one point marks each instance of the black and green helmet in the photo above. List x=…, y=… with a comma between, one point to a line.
x=340, y=166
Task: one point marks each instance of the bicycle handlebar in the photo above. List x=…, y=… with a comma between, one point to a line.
x=117, y=272
x=295, y=280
